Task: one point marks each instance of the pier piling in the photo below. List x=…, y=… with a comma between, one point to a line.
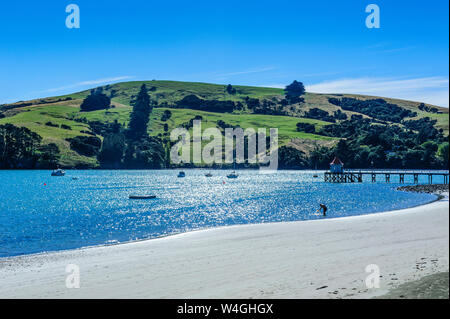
x=350, y=176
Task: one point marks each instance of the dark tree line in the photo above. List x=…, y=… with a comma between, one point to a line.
x=85, y=145
x=319, y=114
x=306, y=127
x=365, y=145
x=194, y=102
x=376, y=108
x=22, y=148
x=425, y=108
x=291, y=158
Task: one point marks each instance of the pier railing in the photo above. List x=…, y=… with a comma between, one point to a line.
x=396, y=171
x=356, y=175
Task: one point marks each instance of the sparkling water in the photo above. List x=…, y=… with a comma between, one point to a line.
x=42, y=213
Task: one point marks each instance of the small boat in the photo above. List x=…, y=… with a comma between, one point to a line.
x=315, y=175
x=233, y=175
x=142, y=196
x=58, y=172
x=208, y=174
x=181, y=174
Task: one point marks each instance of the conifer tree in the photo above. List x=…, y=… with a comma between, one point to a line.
x=142, y=108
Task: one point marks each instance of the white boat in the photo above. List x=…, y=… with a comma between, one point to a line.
x=58, y=172
x=181, y=174
x=233, y=175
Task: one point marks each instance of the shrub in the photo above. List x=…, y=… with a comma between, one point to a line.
x=166, y=115
x=230, y=89
x=252, y=103
x=339, y=115
x=188, y=125
x=51, y=124
x=306, y=127
x=319, y=114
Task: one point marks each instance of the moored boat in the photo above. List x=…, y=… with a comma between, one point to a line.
x=233, y=174
x=142, y=196
x=58, y=172
x=181, y=174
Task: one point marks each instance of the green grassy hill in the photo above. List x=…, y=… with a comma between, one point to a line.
x=65, y=110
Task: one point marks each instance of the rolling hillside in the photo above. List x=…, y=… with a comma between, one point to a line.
x=56, y=119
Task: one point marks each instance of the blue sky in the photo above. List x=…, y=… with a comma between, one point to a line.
x=324, y=44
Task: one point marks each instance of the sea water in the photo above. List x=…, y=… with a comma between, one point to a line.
x=41, y=213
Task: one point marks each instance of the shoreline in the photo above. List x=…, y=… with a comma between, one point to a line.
x=436, y=189
x=438, y=198
x=248, y=261
x=435, y=286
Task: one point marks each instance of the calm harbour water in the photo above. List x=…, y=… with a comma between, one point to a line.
x=42, y=213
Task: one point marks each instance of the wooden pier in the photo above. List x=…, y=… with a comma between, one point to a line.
x=354, y=176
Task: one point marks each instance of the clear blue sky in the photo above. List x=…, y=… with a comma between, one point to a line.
x=324, y=44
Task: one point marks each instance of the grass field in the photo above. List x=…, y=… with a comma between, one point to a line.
x=57, y=111
x=172, y=91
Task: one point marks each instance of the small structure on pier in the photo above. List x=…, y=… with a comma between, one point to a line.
x=337, y=174
x=336, y=166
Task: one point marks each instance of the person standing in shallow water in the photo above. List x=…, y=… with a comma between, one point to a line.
x=324, y=209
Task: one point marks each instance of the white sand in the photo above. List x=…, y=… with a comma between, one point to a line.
x=278, y=260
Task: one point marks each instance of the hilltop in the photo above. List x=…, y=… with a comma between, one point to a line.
x=58, y=120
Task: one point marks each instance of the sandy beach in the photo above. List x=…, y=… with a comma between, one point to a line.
x=307, y=259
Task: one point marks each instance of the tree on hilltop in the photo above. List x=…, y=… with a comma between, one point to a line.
x=97, y=100
x=293, y=92
x=231, y=89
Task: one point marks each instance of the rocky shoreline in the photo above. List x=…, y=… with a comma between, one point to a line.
x=426, y=188
x=433, y=286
